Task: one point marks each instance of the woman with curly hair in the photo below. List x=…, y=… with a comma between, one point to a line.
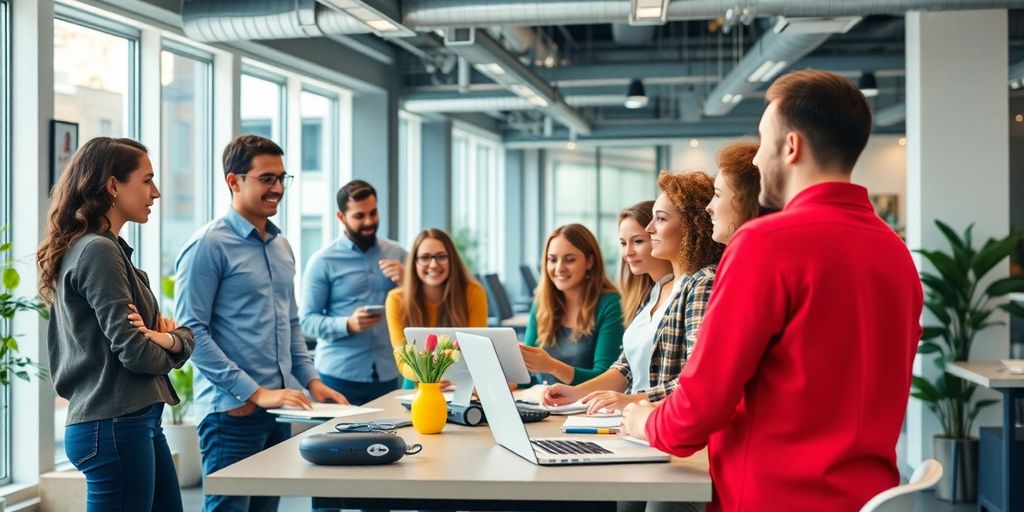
x=681, y=234
x=110, y=350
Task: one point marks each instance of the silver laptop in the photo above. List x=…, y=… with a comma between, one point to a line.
x=508, y=429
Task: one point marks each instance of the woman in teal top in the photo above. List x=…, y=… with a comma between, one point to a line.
x=575, y=329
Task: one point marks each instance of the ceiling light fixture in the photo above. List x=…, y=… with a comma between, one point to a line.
x=868, y=85
x=636, y=97
x=648, y=12
x=694, y=143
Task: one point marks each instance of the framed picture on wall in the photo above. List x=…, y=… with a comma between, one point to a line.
x=888, y=209
x=63, y=144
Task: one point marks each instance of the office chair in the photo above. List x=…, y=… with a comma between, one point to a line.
x=902, y=497
x=529, y=279
x=496, y=290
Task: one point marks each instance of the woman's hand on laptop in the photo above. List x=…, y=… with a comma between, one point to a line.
x=561, y=394
x=634, y=419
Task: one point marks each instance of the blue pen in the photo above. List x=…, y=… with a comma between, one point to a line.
x=590, y=430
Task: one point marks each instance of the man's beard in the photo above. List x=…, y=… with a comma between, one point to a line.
x=363, y=241
x=773, y=184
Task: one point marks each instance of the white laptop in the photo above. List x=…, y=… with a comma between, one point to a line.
x=508, y=429
x=505, y=343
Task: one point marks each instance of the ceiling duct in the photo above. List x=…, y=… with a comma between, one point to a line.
x=492, y=59
x=212, y=21
x=773, y=53
x=431, y=14
x=447, y=102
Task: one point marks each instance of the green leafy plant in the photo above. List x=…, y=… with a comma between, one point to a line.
x=11, y=363
x=955, y=298
x=181, y=381
x=466, y=243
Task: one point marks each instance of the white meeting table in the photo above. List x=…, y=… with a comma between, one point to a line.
x=459, y=469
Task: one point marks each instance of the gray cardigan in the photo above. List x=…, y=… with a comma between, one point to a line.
x=101, y=363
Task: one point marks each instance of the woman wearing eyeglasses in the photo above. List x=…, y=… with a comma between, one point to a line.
x=437, y=291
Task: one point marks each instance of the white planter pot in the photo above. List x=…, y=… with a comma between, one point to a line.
x=185, y=440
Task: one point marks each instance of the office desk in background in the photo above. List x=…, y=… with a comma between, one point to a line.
x=459, y=469
x=994, y=376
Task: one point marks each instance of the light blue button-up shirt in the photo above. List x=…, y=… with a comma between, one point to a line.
x=236, y=292
x=339, y=279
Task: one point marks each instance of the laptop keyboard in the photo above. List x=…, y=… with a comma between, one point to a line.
x=569, y=447
x=530, y=415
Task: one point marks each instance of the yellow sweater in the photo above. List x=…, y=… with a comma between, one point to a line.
x=476, y=301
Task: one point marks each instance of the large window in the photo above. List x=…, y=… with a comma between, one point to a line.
x=590, y=186
x=185, y=167
x=5, y=198
x=262, y=107
x=478, y=203
x=409, y=178
x=319, y=155
x=95, y=85
x=94, y=79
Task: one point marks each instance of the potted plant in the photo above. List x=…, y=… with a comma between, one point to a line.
x=12, y=364
x=429, y=408
x=963, y=308
x=181, y=434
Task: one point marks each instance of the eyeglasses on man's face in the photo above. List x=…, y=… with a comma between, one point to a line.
x=424, y=259
x=269, y=180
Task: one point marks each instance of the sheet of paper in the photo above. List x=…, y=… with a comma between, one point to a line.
x=534, y=396
x=448, y=395
x=325, y=410
x=632, y=439
x=584, y=421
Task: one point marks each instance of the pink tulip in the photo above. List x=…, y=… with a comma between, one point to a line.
x=431, y=342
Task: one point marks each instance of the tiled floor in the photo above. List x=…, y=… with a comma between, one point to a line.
x=193, y=501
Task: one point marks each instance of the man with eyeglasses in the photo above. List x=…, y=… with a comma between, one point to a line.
x=344, y=288
x=235, y=291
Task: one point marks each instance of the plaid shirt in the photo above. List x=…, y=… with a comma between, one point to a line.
x=677, y=335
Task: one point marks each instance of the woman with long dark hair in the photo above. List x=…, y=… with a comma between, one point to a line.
x=436, y=291
x=109, y=348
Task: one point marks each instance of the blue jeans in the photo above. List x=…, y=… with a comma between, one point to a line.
x=225, y=440
x=358, y=393
x=126, y=462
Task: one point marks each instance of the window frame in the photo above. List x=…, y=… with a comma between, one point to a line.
x=6, y=465
x=208, y=173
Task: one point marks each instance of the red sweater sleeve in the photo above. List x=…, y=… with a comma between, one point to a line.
x=748, y=308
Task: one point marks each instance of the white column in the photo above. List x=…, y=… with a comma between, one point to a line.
x=227, y=121
x=957, y=161
x=32, y=110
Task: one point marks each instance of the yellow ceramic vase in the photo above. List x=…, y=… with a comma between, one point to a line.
x=429, y=409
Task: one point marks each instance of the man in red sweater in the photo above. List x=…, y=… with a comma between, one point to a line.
x=799, y=381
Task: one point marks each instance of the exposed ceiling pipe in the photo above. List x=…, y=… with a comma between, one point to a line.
x=771, y=54
x=436, y=103
x=494, y=60
x=230, y=20
x=431, y=14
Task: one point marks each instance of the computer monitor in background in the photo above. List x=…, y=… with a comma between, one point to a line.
x=506, y=344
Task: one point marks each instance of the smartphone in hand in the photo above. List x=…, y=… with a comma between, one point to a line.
x=374, y=310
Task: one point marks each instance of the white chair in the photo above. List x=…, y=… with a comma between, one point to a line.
x=902, y=497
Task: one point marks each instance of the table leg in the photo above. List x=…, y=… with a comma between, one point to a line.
x=1013, y=491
